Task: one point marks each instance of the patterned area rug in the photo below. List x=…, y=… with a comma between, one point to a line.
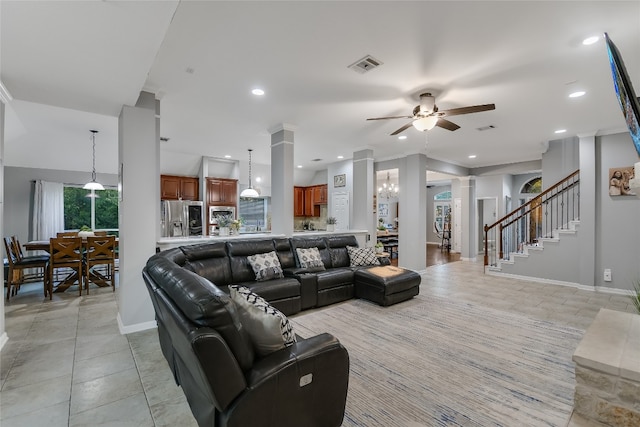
x=433, y=361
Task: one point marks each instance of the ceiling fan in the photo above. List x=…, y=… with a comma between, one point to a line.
x=426, y=115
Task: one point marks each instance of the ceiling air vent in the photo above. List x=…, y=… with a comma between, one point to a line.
x=365, y=64
x=486, y=128
x=316, y=160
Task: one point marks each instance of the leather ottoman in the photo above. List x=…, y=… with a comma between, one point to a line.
x=386, y=285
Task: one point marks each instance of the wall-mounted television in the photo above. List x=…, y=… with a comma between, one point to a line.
x=627, y=99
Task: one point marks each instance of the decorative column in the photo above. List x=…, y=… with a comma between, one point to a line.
x=139, y=160
x=363, y=191
x=587, y=253
x=468, y=209
x=5, y=98
x=282, y=179
x=412, y=212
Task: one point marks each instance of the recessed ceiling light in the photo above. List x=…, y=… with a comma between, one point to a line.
x=299, y=166
x=258, y=92
x=577, y=94
x=560, y=131
x=472, y=156
x=258, y=179
x=590, y=40
x=402, y=137
x=341, y=157
x=227, y=156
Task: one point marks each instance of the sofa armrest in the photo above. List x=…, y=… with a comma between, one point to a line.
x=303, y=384
x=308, y=286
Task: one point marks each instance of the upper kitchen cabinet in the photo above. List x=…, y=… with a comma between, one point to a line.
x=174, y=187
x=320, y=194
x=222, y=192
x=298, y=201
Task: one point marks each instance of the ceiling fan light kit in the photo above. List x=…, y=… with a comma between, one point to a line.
x=425, y=123
x=426, y=116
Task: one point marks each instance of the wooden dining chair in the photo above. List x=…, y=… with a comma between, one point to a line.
x=17, y=266
x=66, y=252
x=40, y=273
x=100, y=252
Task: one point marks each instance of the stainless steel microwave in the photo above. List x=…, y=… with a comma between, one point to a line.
x=217, y=211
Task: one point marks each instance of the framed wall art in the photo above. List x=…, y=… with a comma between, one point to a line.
x=340, y=180
x=619, y=181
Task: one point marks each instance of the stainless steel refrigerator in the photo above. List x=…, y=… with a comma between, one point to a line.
x=182, y=218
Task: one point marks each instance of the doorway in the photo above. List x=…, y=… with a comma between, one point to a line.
x=487, y=211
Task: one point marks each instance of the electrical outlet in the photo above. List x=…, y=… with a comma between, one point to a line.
x=607, y=274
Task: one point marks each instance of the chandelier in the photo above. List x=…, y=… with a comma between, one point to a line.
x=388, y=189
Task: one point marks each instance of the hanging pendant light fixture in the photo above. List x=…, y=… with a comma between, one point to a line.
x=93, y=184
x=249, y=192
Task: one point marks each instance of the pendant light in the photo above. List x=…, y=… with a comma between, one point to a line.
x=249, y=192
x=93, y=184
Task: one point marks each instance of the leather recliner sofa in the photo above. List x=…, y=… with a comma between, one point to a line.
x=225, y=382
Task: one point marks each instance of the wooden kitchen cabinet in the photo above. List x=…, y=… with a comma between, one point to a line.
x=298, y=201
x=320, y=194
x=308, y=201
x=222, y=192
x=173, y=187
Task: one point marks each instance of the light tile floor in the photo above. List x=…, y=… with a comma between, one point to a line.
x=66, y=364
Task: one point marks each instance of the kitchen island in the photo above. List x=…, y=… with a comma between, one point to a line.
x=173, y=242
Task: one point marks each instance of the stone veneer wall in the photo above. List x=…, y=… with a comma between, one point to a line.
x=608, y=370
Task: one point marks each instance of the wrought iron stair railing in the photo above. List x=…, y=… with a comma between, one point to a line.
x=541, y=217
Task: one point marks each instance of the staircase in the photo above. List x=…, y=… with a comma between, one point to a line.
x=538, y=239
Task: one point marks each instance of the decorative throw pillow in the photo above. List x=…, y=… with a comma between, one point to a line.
x=362, y=256
x=310, y=258
x=268, y=328
x=266, y=266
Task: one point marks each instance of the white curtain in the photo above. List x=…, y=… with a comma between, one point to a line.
x=48, y=209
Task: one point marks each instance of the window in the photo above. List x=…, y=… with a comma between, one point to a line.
x=533, y=186
x=99, y=213
x=442, y=211
x=254, y=213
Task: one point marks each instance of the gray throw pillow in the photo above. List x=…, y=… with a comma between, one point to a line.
x=266, y=266
x=310, y=258
x=267, y=326
x=362, y=256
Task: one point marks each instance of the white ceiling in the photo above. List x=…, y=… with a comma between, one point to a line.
x=70, y=66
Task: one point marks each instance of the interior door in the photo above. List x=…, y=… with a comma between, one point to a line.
x=341, y=210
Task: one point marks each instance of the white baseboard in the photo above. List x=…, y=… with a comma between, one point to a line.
x=603, y=289
x=124, y=330
x=3, y=340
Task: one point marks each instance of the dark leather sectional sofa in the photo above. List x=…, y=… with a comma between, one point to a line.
x=226, y=383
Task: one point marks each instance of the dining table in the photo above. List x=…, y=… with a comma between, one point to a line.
x=94, y=275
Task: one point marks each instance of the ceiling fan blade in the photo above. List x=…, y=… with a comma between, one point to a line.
x=468, y=110
x=446, y=124
x=391, y=117
x=403, y=128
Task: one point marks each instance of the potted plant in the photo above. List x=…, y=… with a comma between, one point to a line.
x=379, y=247
x=85, y=231
x=224, y=221
x=331, y=223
